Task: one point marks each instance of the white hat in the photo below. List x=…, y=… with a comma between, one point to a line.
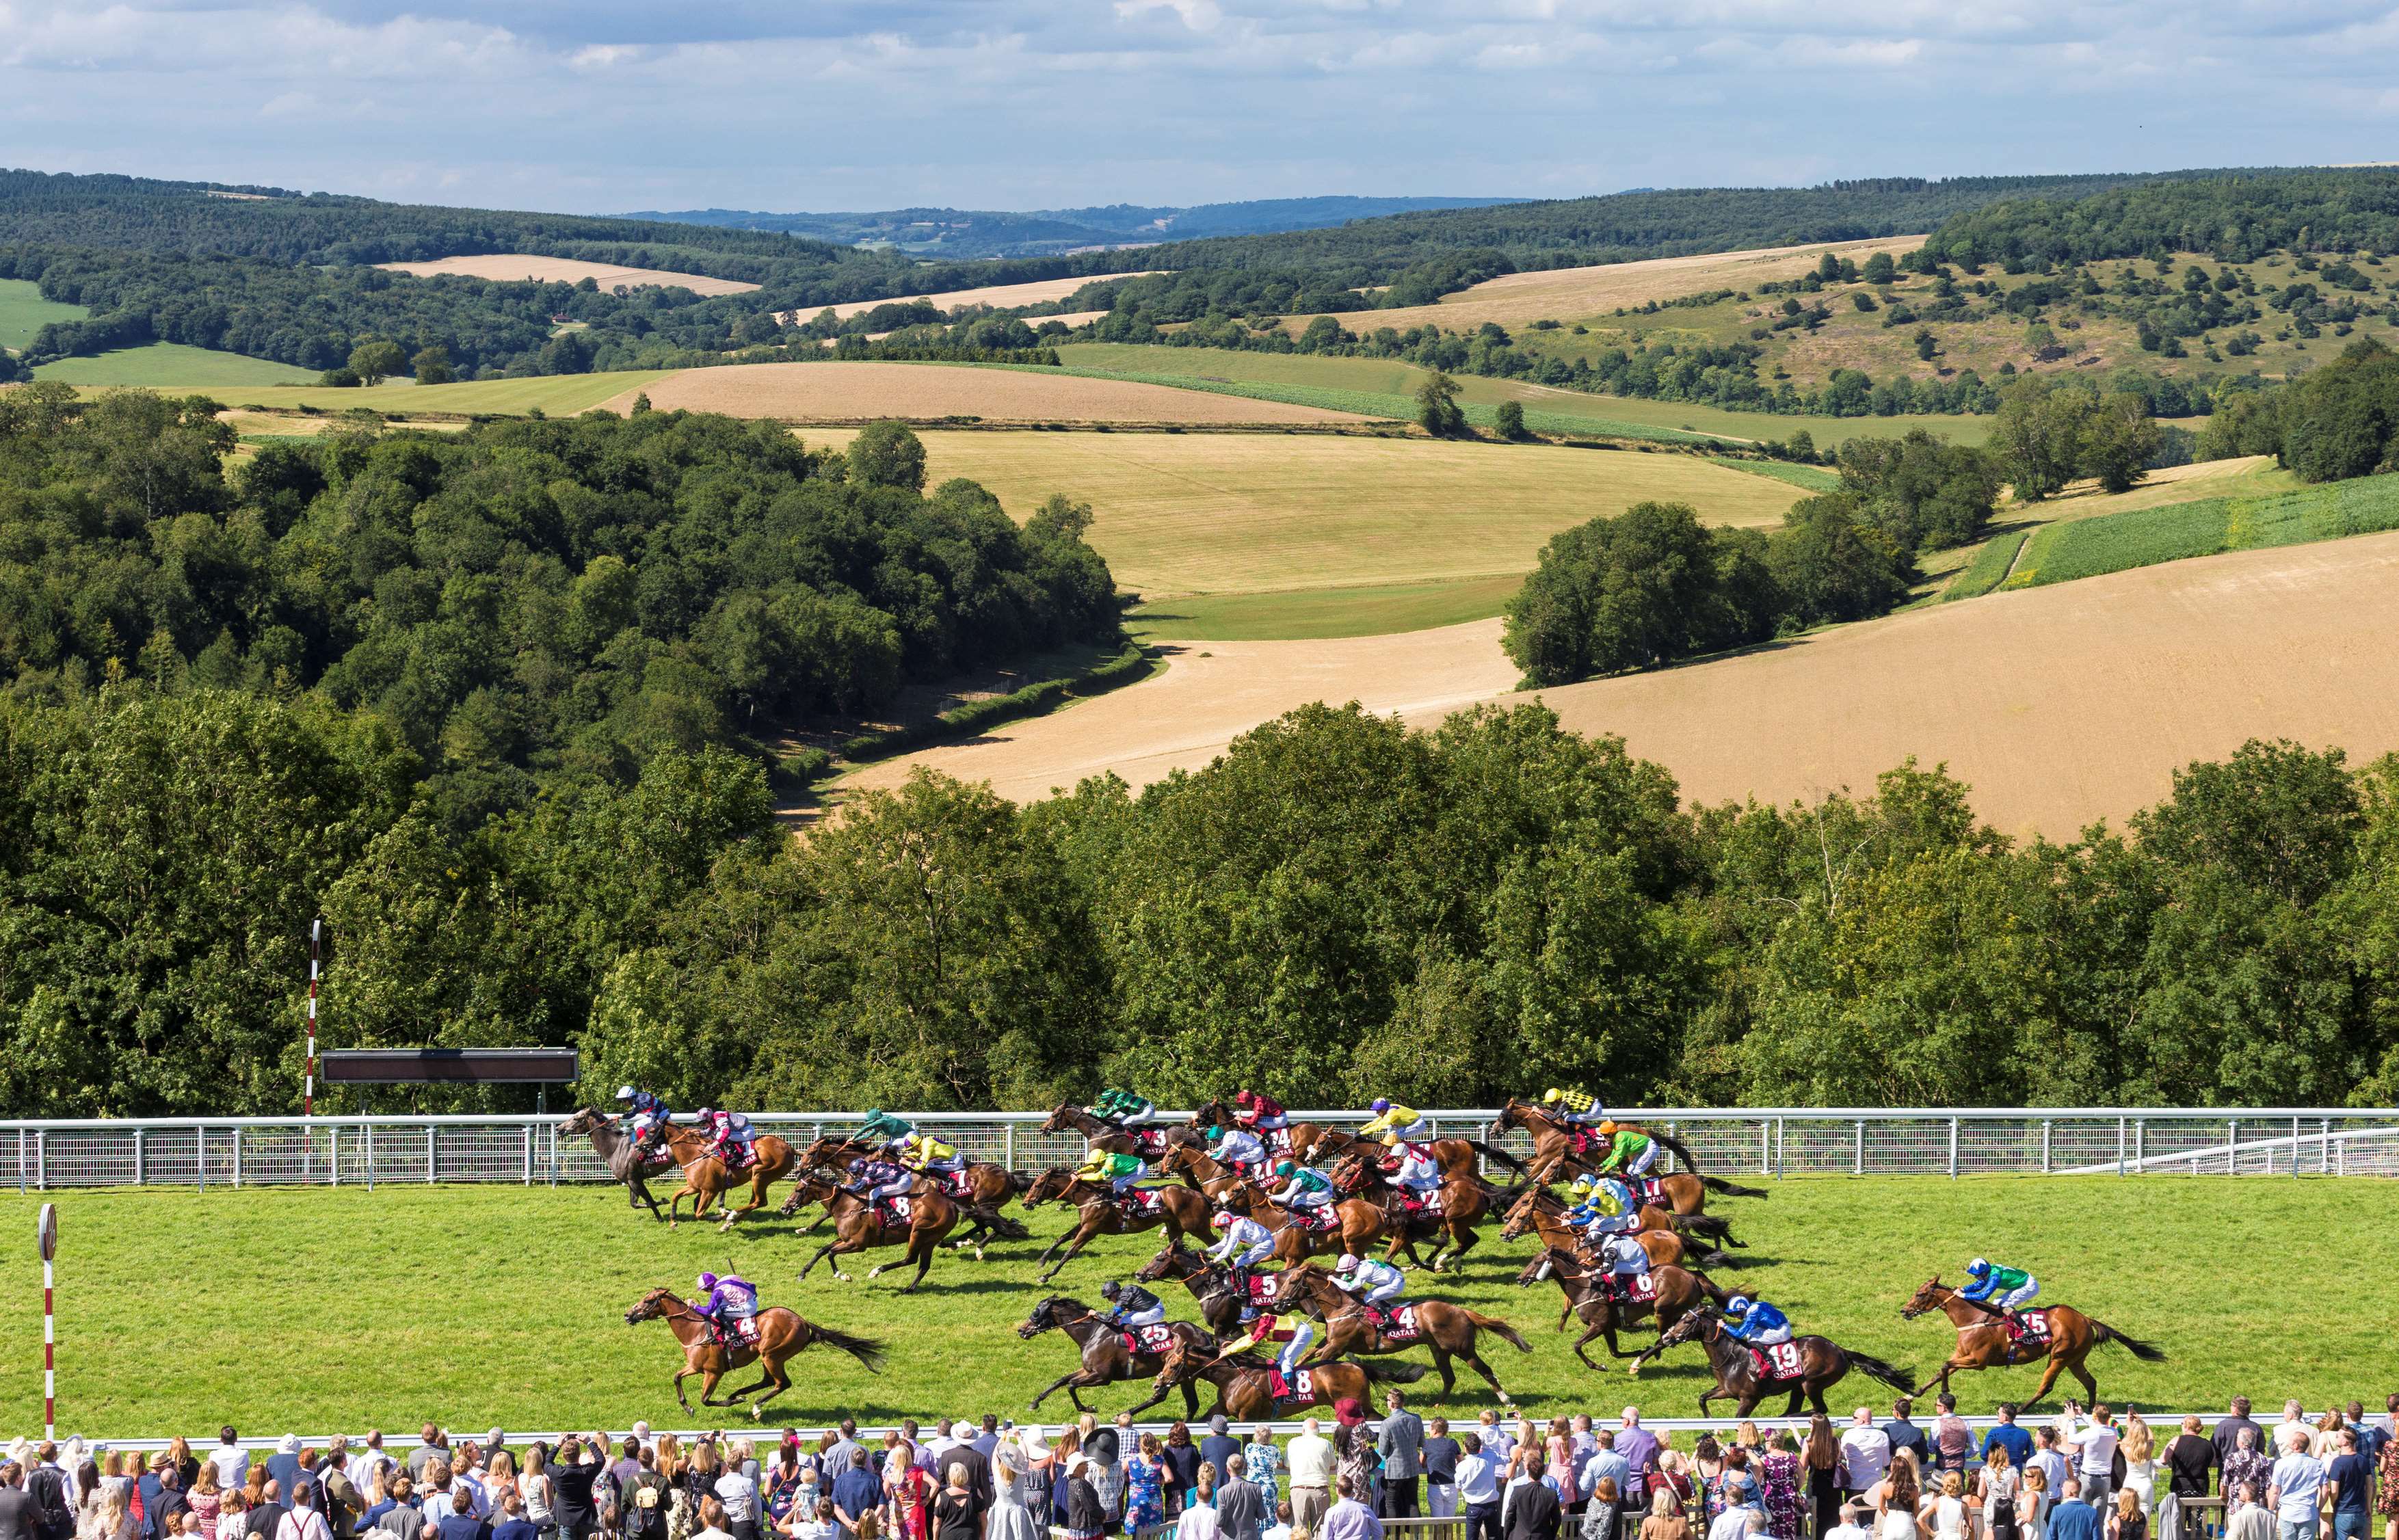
x=1030, y=1440
x=1075, y=1461
x=291, y=1444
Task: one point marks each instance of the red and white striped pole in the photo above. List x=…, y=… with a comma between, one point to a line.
x=316, y=962
x=46, y=1229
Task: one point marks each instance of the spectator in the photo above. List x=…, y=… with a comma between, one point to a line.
x=2070, y=1518
x=1497, y=1444
x=2295, y=1489
x=1440, y=1453
x=303, y=1522
x=232, y=1517
x=513, y=1524
x=1107, y=1471
x=2190, y=1456
x=1904, y=1434
x=2247, y=1465
x=1146, y=1477
x=1865, y=1454
x=736, y=1491
x=1182, y=1458
x=231, y=1460
x=1350, y=1519
x=1821, y=1461
x=2128, y=1522
x=1998, y=1490
x=1532, y=1511
x=1242, y=1509
x=2385, y=1473
x=1845, y=1525
x=1665, y=1520
x=1944, y=1512
x=1219, y=1447
x=2227, y=1437
x=1266, y=1465
x=1084, y=1518
x=1732, y=1523
x=2292, y=1431
x=50, y=1493
x=1639, y=1447
x=1953, y=1441
x=2248, y=1518
x=2351, y=1478
x=1310, y=1455
x=1896, y=1498
x=1478, y=1488
x=1603, y=1512
x=2008, y=1436
x=2095, y=1448
x=162, y=1512
x=1604, y=1465
x=343, y=1501
x=1400, y=1444
x=429, y=1448
x=954, y=1510
x=2137, y=1459
x=708, y=1515
x=2370, y=1439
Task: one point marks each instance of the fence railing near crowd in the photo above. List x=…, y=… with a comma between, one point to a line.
x=368, y=1150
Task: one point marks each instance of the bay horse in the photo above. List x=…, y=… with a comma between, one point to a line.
x=1461, y=1200
x=1554, y=1157
x=858, y=1226
x=1357, y=1223
x=984, y=1182
x=1299, y=1139
x=1210, y=1284
x=1099, y=1134
x=1595, y=1302
x=706, y=1178
x=615, y=1147
x=780, y=1335
x=1540, y=1212
x=1823, y=1363
x=1245, y=1392
x=1105, y=1357
x=1984, y=1343
x=1450, y=1331
x=1451, y=1157
x=1181, y=1209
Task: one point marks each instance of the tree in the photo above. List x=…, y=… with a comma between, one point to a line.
x=2120, y=441
x=1628, y=592
x=375, y=360
x=888, y=455
x=1878, y=269
x=1437, y=406
x=2037, y=435
x=1832, y=565
x=1510, y=420
x=1323, y=334
x=1924, y=493
x=431, y=365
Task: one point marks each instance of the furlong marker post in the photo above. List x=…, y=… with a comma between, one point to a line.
x=308, y=1075
x=46, y=1230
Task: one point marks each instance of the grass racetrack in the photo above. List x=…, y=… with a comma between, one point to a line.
x=171, y=366
x=323, y=1310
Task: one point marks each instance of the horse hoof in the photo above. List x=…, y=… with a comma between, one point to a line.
x=978, y=1253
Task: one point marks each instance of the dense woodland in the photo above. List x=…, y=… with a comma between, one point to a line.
x=522, y=605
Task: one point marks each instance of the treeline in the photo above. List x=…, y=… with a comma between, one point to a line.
x=524, y=605
x=1335, y=909
x=2232, y=216
x=2329, y=424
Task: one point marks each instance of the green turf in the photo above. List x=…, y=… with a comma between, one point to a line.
x=1989, y=565
x=2143, y=537
x=171, y=366
x=1808, y=478
x=334, y=1309
x=1308, y=615
x=23, y=313
x=559, y=395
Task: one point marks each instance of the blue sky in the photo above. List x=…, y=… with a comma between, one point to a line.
x=604, y=106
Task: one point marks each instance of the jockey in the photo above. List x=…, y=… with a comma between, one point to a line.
x=881, y=1127
x=877, y=1180
x=1625, y=1260
x=1297, y=1338
x=1412, y=1167
x=1259, y=1113
x=647, y=1115
x=730, y=1136
x=1126, y=1110
x=1756, y=1323
x=1238, y=1148
x=1628, y=1150
x=1131, y=1305
x=1374, y=1281
x=1575, y=1106
x=2002, y=1289
x=1245, y=1244
x=1608, y=1210
x=729, y=1299
x=1392, y=1118
x=920, y=1152
x=1304, y=1188
x=1116, y=1172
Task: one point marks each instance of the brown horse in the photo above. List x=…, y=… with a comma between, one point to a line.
x=1210, y=1284
x=1451, y=1214
x=1357, y=1222
x=1244, y=1391
x=1451, y=1157
x=1604, y=1308
x=780, y=1334
x=1540, y=1212
x=1450, y=1331
x=1984, y=1343
x=858, y=1226
x=1553, y=1158
x=1099, y=1134
x=1298, y=1141
x=977, y=1182
x=1822, y=1362
x=615, y=1147
x=1181, y=1211
x=706, y=1178
x=1105, y=1357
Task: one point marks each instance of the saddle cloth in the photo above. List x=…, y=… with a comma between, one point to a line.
x=1149, y=1143
x=1262, y=1287
x=1140, y=1200
x=1397, y=1325
x=1640, y=1288
x=960, y=1183
x=2030, y=1328
x=1300, y=1387
x=1319, y=1221
x=739, y=1157
x=743, y=1331
x=1780, y=1362
x=1579, y=1139
x=895, y=1211
x=1152, y=1340
x=1649, y=1191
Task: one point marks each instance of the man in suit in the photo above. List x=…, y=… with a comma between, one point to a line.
x=265, y=1518
x=1219, y=1447
x=1240, y=1503
x=1532, y=1511
x=17, y=1515
x=1401, y=1443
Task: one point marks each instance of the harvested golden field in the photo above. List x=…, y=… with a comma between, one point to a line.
x=2058, y=705
x=1209, y=694
x=922, y=393
x=1579, y=293
x=509, y=267
x=1256, y=513
x=1000, y=296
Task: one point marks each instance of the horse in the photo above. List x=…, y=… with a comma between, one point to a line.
x=1540, y=1212
x=1299, y=1139
x=1181, y=1211
x=1452, y=1157
x=615, y=1147
x=1211, y=1285
x=978, y=1182
x=1450, y=1331
x=1357, y=1222
x=1101, y=1135
x=1822, y=1362
x=1594, y=1300
x=1984, y=1341
x=780, y=1334
x=1462, y=1199
x=706, y=1178
x=858, y=1226
x=1105, y=1357
x=1244, y=1391
x=1554, y=1157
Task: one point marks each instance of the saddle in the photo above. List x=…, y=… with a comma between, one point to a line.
x=1579, y=1139
x=1648, y=1191
x=737, y=1157
x=2028, y=1329
x=1150, y=1341
x=1319, y=1221
x=1398, y=1325
x=1299, y=1386
x=1780, y=1362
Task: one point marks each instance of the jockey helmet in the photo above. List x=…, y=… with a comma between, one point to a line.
x=1382, y=1104
x=705, y=1114
x=1977, y=1269
x=1737, y=1306
x=1347, y=1265
x=624, y=1093
x=1285, y=1169
x=1554, y=1094
x=1583, y=1183
x=1609, y=1126
x=1216, y=1133
x=708, y=1281
x=858, y=1167
x=873, y=1114
x=1110, y=1290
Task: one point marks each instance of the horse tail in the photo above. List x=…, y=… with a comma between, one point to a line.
x=996, y=1222
x=1722, y=1188
x=1493, y=1152
x=1500, y=1329
x=1675, y=1147
x=2146, y=1352
x=1380, y=1372
x=1890, y=1374
x=1720, y=1259
x=1710, y=1287
x=866, y=1350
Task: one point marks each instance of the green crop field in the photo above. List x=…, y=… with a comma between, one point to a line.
x=23, y=313
x=2143, y=538
x=1314, y=614
x=1989, y=565
x=171, y=366
x=559, y=395
x=317, y=1310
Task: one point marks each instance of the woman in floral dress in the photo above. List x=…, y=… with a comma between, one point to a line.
x=1145, y=1486
x=1778, y=1472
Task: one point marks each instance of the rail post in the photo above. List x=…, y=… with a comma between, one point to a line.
x=1777, y=1149
x=368, y=1131
x=1008, y=1144
x=1858, y=1166
x=431, y=1156
x=200, y=1155
x=1953, y=1146
x=2140, y=1141
x=2295, y=1146
x=333, y=1153
x=2120, y=1146
x=137, y=1157
x=2232, y=1147
x=41, y=1160
x=2047, y=1123
x=237, y=1156
x=1765, y=1147
x=20, y=1160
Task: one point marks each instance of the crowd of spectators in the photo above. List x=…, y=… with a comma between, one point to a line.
x=2078, y=1476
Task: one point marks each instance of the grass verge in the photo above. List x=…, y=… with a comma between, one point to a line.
x=1134, y=663
x=1990, y=564
x=1320, y=614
